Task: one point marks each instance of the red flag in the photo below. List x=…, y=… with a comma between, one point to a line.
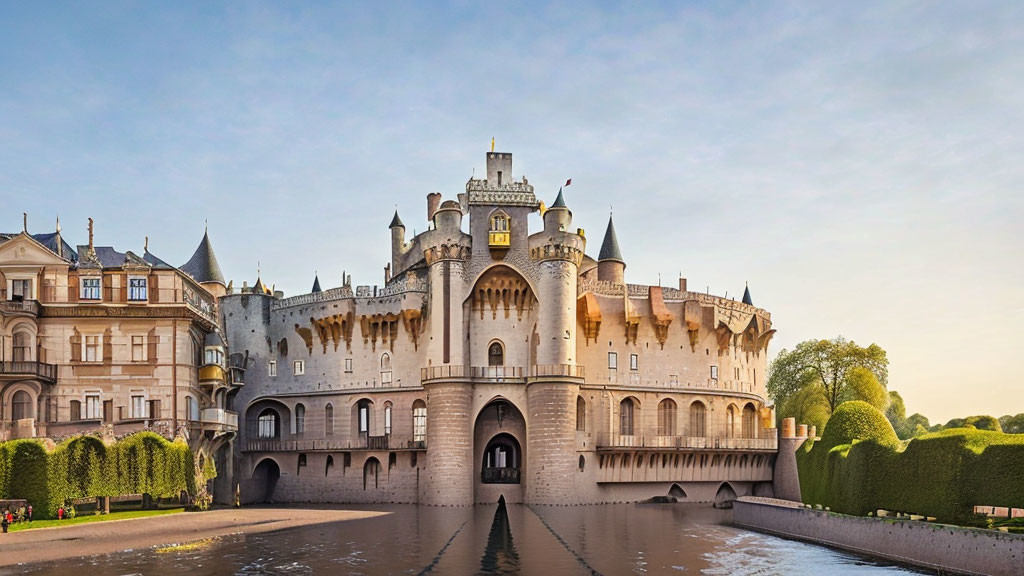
x=569, y=181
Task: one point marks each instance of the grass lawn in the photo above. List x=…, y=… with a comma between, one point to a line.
x=18, y=526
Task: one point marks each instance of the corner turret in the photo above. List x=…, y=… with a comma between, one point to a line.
x=397, y=242
x=204, y=268
x=558, y=218
x=610, y=265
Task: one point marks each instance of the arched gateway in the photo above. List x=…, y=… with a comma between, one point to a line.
x=498, y=441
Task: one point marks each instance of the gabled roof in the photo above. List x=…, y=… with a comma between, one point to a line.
x=396, y=221
x=610, y=246
x=49, y=241
x=316, y=284
x=746, y=296
x=203, y=266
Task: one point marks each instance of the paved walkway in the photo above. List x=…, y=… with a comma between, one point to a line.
x=45, y=544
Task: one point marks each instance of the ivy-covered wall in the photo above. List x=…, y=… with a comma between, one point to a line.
x=81, y=467
x=859, y=465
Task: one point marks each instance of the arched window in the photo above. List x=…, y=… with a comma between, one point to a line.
x=22, y=405
x=667, y=417
x=387, y=418
x=496, y=354
x=300, y=419
x=76, y=410
x=419, y=421
x=499, y=222
x=268, y=425
x=22, y=348
x=385, y=368
x=371, y=470
x=697, y=424
x=626, y=417
x=329, y=419
x=749, y=421
x=730, y=422
x=363, y=409
x=501, y=461
x=581, y=414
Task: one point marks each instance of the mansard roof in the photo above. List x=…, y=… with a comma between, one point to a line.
x=203, y=266
x=610, y=246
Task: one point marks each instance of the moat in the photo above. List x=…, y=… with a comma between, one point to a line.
x=611, y=539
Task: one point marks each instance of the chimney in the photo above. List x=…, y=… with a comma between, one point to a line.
x=433, y=202
x=90, y=235
x=682, y=284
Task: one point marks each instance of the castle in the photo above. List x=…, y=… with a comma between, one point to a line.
x=497, y=361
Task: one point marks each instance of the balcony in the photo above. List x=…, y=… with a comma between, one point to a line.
x=499, y=475
x=211, y=374
x=19, y=307
x=301, y=443
x=499, y=239
x=29, y=369
x=557, y=371
x=218, y=420
x=654, y=442
x=515, y=374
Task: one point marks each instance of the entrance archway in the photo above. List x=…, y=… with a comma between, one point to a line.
x=371, y=474
x=502, y=459
x=266, y=475
x=499, y=440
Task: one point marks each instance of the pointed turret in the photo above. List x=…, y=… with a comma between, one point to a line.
x=259, y=287
x=559, y=201
x=558, y=218
x=316, y=284
x=746, y=296
x=203, y=267
x=610, y=265
x=396, y=222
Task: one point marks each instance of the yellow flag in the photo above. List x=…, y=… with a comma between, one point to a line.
x=492, y=144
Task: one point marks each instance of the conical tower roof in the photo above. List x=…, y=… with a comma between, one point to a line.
x=746, y=296
x=316, y=284
x=203, y=265
x=396, y=221
x=559, y=201
x=610, y=246
x=259, y=288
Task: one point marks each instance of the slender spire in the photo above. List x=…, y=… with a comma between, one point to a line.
x=610, y=246
x=316, y=283
x=203, y=265
x=559, y=201
x=396, y=221
x=746, y=295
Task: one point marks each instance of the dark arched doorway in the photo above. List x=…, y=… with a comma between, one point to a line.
x=265, y=477
x=502, y=460
x=725, y=496
x=371, y=474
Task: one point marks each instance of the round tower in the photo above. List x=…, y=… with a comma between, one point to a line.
x=397, y=242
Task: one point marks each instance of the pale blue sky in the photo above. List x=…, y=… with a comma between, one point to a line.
x=860, y=166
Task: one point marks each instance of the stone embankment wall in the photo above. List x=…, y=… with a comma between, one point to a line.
x=948, y=549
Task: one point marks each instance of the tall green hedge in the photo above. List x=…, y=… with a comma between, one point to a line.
x=859, y=466
x=81, y=467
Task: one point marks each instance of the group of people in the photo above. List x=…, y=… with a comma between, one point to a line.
x=22, y=514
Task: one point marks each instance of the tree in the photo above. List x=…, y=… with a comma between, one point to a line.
x=983, y=423
x=896, y=412
x=914, y=425
x=829, y=365
x=1012, y=424
x=807, y=406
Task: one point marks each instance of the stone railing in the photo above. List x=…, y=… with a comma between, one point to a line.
x=687, y=442
x=299, y=443
x=41, y=370
x=555, y=370
x=218, y=417
x=20, y=306
x=340, y=293
x=671, y=382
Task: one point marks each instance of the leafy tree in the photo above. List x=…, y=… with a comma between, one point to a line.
x=983, y=423
x=864, y=386
x=829, y=365
x=914, y=425
x=896, y=413
x=808, y=406
x=1012, y=424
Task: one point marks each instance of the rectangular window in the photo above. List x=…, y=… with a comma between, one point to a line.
x=348, y=365
x=90, y=288
x=634, y=362
x=92, y=347
x=613, y=361
x=139, y=407
x=299, y=367
x=137, y=289
x=138, y=348
x=272, y=368
x=387, y=420
x=93, y=407
x=419, y=424
x=21, y=290
x=714, y=372
x=364, y=419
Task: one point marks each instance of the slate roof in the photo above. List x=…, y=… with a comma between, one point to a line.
x=50, y=241
x=396, y=221
x=203, y=266
x=559, y=201
x=746, y=296
x=610, y=246
x=316, y=284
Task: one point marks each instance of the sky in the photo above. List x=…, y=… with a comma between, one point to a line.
x=860, y=165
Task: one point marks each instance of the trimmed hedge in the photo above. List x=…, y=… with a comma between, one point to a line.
x=859, y=466
x=82, y=467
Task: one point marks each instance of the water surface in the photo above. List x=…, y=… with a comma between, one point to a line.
x=497, y=540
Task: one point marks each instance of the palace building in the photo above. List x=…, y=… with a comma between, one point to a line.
x=495, y=360
x=93, y=340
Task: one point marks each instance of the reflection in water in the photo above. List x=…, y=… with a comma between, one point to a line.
x=496, y=539
x=500, y=555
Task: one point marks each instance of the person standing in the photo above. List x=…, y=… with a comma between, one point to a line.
x=29, y=512
x=4, y=523
x=60, y=512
